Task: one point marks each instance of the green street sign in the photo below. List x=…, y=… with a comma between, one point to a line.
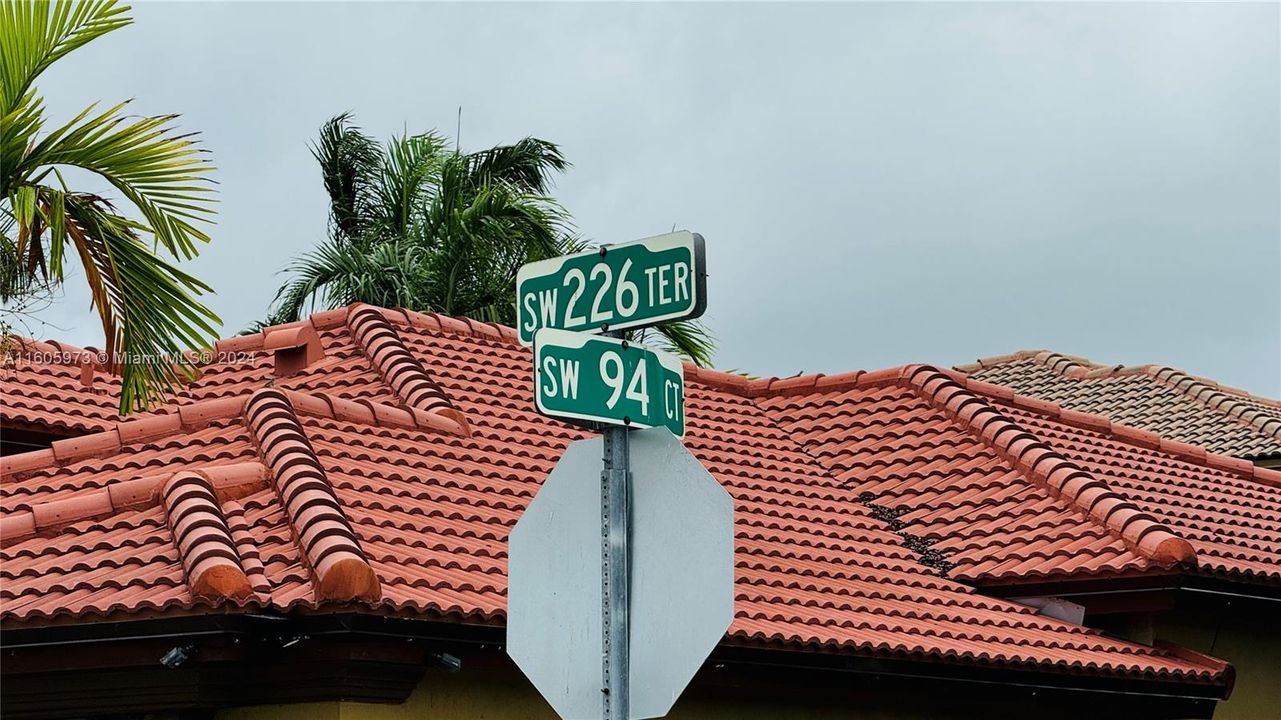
x=635, y=284
x=595, y=379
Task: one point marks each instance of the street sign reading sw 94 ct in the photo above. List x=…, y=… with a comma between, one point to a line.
x=607, y=380
x=646, y=282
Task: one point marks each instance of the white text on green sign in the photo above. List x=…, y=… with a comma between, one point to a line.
x=647, y=282
x=597, y=379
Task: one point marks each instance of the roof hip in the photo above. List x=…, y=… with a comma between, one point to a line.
x=397, y=365
x=1044, y=466
x=320, y=527
x=209, y=557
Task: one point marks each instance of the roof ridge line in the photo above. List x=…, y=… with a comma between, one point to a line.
x=1082, y=368
x=227, y=479
x=1048, y=468
x=1128, y=433
x=62, y=353
x=1061, y=363
x=994, y=360
x=1215, y=396
x=1076, y=367
x=202, y=412
x=397, y=366
x=795, y=385
x=124, y=432
x=337, y=317
x=455, y=324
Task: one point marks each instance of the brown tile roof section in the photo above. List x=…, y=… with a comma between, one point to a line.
x=1162, y=399
x=429, y=503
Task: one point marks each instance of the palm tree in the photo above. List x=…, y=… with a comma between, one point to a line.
x=147, y=306
x=422, y=226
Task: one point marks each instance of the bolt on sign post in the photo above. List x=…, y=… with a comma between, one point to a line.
x=616, y=287
x=605, y=381
x=595, y=379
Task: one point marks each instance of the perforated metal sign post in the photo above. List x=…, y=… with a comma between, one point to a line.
x=616, y=287
x=681, y=594
x=607, y=380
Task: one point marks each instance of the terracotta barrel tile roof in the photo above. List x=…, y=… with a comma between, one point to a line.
x=1001, y=488
x=209, y=556
x=861, y=500
x=54, y=386
x=1169, y=402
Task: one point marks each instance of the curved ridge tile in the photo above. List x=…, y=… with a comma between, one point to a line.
x=209, y=556
x=1170, y=402
x=320, y=527
x=1231, y=402
x=1048, y=468
x=397, y=365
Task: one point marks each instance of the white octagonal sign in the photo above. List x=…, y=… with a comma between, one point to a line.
x=682, y=577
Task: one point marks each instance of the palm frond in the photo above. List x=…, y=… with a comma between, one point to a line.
x=689, y=339
x=159, y=170
x=528, y=164
x=19, y=125
x=405, y=181
x=349, y=162
x=334, y=275
x=36, y=33
x=147, y=306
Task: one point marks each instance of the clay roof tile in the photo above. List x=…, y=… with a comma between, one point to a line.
x=1164, y=400
x=326, y=495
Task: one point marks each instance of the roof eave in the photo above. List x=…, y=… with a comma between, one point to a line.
x=1195, y=697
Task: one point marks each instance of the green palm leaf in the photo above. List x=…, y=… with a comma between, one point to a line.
x=349, y=163
x=148, y=308
x=418, y=226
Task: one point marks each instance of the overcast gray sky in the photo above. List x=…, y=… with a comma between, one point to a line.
x=878, y=183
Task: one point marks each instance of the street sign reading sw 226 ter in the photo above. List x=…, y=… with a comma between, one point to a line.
x=646, y=282
x=599, y=379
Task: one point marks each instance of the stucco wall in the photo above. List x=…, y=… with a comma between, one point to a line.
x=297, y=711
x=1246, y=635
x=500, y=694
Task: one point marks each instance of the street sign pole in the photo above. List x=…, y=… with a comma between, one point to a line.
x=681, y=579
x=616, y=490
x=680, y=550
